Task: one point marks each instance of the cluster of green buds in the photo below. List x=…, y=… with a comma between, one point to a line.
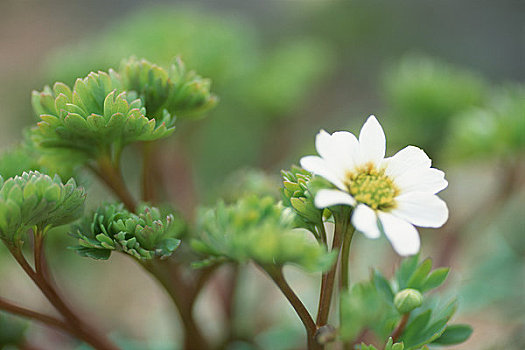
x=104, y=112
x=296, y=194
x=495, y=130
x=175, y=91
x=35, y=200
x=257, y=229
x=145, y=235
x=95, y=117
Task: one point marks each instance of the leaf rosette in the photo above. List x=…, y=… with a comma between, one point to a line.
x=37, y=200
x=95, y=117
x=257, y=229
x=146, y=235
x=172, y=92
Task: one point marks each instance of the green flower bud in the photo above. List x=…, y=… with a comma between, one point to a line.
x=35, y=199
x=173, y=92
x=95, y=116
x=296, y=195
x=145, y=235
x=407, y=300
x=257, y=229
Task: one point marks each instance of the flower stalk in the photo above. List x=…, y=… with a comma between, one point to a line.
x=276, y=274
x=75, y=325
x=111, y=175
x=183, y=293
x=400, y=327
x=328, y=278
x=345, y=258
x=7, y=306
x=148, y=168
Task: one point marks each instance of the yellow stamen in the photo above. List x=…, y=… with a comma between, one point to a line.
x=372, y=187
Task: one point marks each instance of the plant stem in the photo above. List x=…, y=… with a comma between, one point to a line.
x=37, y=316
x=276, y=274
x=328, y=278
x=322, y=234
x=344, y=281
x=148, y=183
x=183, y=296
x=39, y=254
x=345, y=258
x=228, y=296
x=77, y=327
x=400, y=327
x=111, y=175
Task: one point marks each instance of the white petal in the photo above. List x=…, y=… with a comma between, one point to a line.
x=320, y=167
x=364, y=220
x=339, y=151
x=421, y=209
x=429, y=180
x=328, y=198
x=402, y=235
x=372, y=141
x=408, y=159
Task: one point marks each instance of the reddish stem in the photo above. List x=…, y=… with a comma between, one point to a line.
x=77, y=327
x=400, y=327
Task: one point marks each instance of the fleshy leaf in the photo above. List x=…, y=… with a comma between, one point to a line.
x=257, y=229
x=146, y=235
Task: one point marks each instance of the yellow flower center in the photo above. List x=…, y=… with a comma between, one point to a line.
x=372, y=187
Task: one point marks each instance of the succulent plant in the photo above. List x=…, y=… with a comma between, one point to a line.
x=174, y=91
x=145, y=235
x=495, y=130
x=95, y=117
x=257, y=229
x=37, y=200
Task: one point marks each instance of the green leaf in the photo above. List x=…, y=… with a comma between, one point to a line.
x=405, y=271
x=435, y=279
x=383, y=285
x=420, y=274
x=97, y=254
x=258, y=229
x=454, y=334
x=76, y=122
x=52, y=193
x=417, y=325
x=146, y=234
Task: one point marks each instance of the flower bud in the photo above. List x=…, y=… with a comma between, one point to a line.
x=407, y=300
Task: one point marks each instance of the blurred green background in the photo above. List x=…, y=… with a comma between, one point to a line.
x=446, y=76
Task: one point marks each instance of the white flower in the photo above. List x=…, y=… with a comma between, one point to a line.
x=389, y=194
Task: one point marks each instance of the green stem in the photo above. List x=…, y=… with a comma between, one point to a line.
x=229, y=303
x=345, y=279
x=112, y=177
x=345, y=258
x=148, y=183
x=328, y=278
x=276, y=274
x=322, y=234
